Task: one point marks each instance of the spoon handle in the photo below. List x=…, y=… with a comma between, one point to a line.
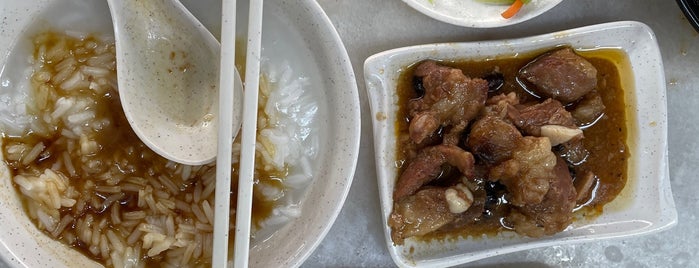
x=225, y=134
x=249, y=132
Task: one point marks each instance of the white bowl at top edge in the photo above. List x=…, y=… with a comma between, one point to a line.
x=644, y=206
x=474, y=14
x=298, y=32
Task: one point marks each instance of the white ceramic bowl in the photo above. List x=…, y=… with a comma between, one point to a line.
x=298, y=32
x=471, y=13
x=644, y=206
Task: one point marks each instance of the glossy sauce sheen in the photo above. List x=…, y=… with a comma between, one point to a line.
x=606, y=139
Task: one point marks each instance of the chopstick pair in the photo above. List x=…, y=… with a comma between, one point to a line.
x=248, y=131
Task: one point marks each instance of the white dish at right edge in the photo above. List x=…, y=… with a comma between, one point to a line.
x=475, y=14
x=644, y=206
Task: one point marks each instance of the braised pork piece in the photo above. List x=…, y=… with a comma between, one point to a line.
x=523, y=144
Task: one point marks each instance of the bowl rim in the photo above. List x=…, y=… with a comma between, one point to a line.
x=381, y=70
x=349, y=137
x=691, y=12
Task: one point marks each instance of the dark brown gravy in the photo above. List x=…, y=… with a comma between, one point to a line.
x=606, y=139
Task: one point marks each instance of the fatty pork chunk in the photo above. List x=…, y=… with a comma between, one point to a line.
x=561, y=74
x=428, y=165
x=451, y=99
x=554, y=213
x=493, y=139
x=528, y=173
x=522, y=164
x=493, y=136
x=420, y=209
x=550, y=119
x=588, y=110
x=428, y=210
x=538, y=184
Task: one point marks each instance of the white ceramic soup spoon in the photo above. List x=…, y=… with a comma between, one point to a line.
x=167, y=68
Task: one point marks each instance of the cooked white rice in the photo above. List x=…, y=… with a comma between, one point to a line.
x=87, y=180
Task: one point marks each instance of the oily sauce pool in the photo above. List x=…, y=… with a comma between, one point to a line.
x=605, y=139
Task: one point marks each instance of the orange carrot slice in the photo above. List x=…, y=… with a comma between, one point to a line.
x=513, y=9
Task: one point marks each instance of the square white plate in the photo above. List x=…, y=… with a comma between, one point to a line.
x=644, y=206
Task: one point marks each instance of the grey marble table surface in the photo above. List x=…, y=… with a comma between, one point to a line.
x=371, y=26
